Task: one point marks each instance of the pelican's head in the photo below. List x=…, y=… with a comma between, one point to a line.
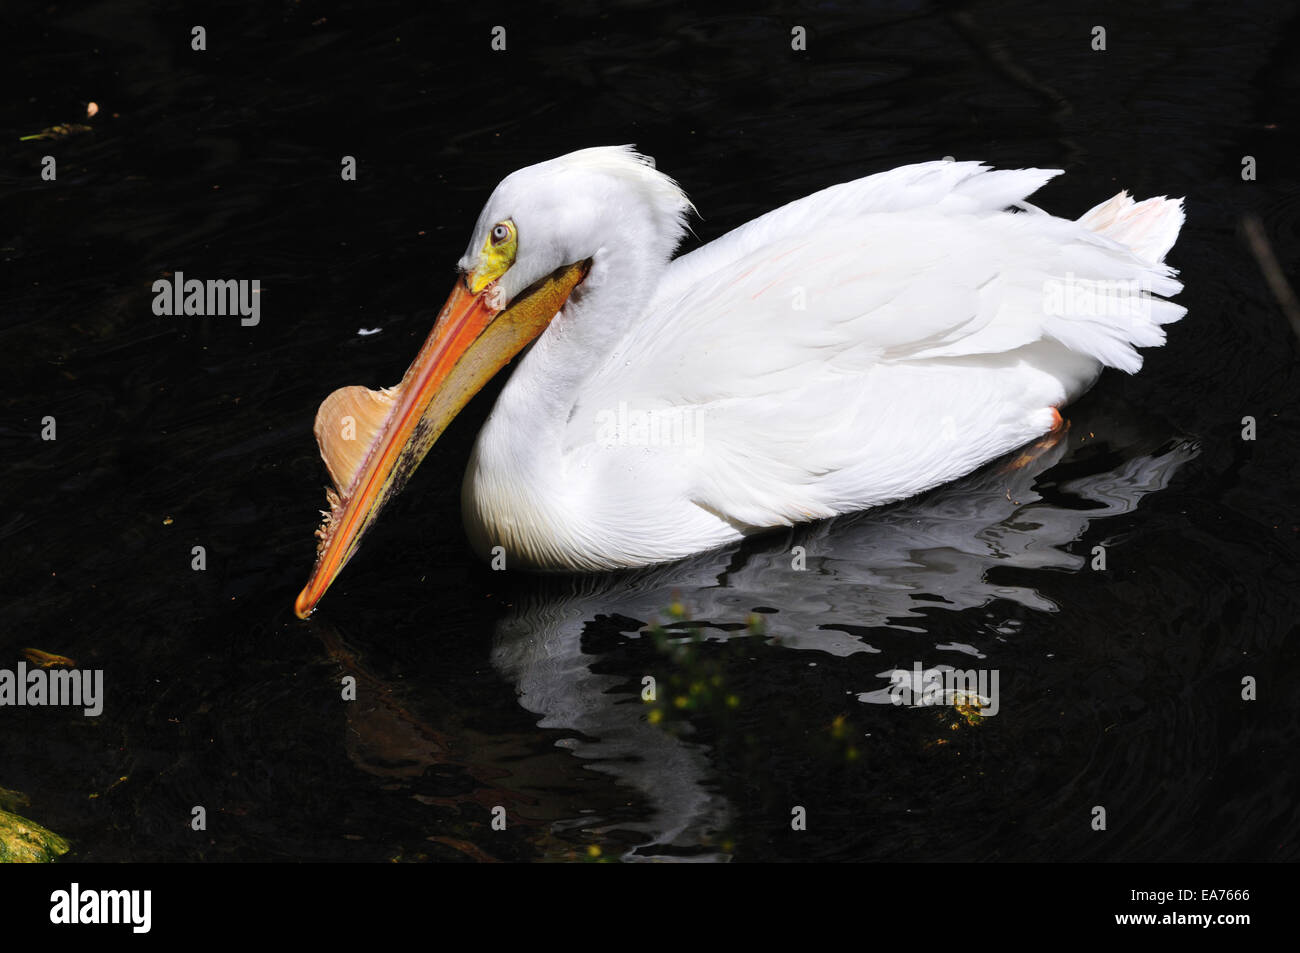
x=566, y=210
x=534, y=243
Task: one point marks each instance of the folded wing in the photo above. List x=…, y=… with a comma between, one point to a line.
x=837, y=322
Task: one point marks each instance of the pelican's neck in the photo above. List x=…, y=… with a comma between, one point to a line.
x=519, y=491
x=536, y=404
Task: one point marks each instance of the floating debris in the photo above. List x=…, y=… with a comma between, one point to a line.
x=95, y=794
x=48, y=659
x=61, y=131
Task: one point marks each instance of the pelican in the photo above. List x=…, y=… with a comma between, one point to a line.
x=850, y=349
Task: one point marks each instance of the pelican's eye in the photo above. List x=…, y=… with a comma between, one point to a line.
x=496, y=256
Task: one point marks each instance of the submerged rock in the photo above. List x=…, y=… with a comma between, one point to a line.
x=26, y=842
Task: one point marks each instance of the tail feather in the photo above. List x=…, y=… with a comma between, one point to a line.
x=1114, y=305
x=1148, y=228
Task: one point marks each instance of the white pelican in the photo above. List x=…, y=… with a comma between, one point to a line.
x=855, y=347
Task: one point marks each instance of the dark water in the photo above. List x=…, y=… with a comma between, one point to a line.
x=1119, y=688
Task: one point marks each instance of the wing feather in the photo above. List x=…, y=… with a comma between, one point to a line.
x=884, y=315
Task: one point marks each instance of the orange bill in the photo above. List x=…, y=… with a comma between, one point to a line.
x=372, y=441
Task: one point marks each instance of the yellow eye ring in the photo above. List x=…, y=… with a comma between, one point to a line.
x=497, y=256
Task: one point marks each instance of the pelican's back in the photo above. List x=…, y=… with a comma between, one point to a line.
x=886, y=335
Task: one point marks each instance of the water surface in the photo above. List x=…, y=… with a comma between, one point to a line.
x=1118, y=687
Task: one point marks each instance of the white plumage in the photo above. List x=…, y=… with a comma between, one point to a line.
x=852, y=348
